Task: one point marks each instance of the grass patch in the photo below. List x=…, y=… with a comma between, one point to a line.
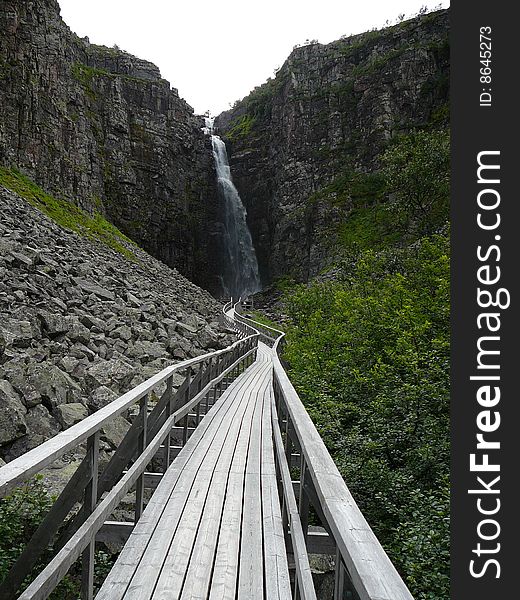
x=352, y=186
x=241, y=127
x=65, y=213
x=261, y=318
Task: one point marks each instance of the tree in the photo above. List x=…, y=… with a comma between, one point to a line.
x=417, y=170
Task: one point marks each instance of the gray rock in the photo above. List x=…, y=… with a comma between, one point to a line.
x=100, y=397
x=18, y=334
x=53, y=385
x=92, y=322
x=115, y=374
x=40, y=421
x=15, y=372
x=145, y=351
x=70, y=414
x=53, y=324
x=12, y=414
x=124, y=333
x=23, y=445
x=114, y=431
x=93, y=288
x=78, y=332
x=186, y=328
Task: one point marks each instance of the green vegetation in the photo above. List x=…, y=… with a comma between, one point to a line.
x=20, y=515
x=417, y=171
x=261, y=318
x=353, y=187
x=368, y=351
x=65, y=213
x=369, y=355
x=85, y=76
x=241, y=127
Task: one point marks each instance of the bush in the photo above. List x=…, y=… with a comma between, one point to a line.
x=417, y=171
x=369, y=356
x=20, y=515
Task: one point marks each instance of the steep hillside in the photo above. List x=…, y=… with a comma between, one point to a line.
x=103, y=129
x=306, y=147
x=83, y=317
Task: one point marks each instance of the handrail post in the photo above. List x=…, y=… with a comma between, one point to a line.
x=339, y=577
x=187, y=397
x=169, y=410
x=141, y=445
x=90, y=500
x=303, y=500
x=210, y=377
x=199, y=387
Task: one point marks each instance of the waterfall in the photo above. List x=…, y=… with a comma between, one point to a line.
x=241, y=276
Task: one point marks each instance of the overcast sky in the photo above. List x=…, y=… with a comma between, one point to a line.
x=216, y=52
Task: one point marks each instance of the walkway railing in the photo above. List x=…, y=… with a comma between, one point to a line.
x=149, y=436
x=306, y=474
x=363, y=570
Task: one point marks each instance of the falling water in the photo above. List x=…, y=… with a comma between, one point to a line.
x=241, y=276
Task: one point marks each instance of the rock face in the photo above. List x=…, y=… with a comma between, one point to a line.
x=103, y=129
x=330, y=110
x=81, y=324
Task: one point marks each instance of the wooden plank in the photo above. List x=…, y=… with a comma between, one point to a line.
x=304, y=582
x=150, y=525
x=218, y=536
x=196, y=535
x=250, y=577
x=226, y=563
x=277, y=581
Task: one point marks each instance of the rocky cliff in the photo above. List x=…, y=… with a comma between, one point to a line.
x=81, y=323
x=318, y=129
x=103, y=129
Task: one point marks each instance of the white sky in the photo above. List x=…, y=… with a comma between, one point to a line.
x=216, y=52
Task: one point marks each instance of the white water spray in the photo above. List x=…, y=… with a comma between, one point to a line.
x=241, y=276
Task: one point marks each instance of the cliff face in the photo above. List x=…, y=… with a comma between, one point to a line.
x=329, y=113
x=103, y=129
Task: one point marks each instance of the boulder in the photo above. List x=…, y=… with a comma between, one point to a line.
x=114, y=431
x=12, y=414
x=70, y=414
x=15, y=371
x=53, y=324
x=93, y=288
x=100, y=397
x=18, y=334
x=41, y=422
x=115, y=374
x=53, y=385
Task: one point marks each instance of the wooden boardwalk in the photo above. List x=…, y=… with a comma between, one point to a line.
x=228, y=516
x=213, y=527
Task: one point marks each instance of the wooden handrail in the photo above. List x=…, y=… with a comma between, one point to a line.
x=25, y=466
x=370, y=570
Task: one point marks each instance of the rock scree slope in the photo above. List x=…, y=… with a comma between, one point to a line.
x=81, y=323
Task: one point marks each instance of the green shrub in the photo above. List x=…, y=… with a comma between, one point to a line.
x=417, y=169
x=20, y=514
x=369, y=356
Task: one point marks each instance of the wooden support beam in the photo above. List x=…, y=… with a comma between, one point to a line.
x=89, y=503
x=115, y=532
